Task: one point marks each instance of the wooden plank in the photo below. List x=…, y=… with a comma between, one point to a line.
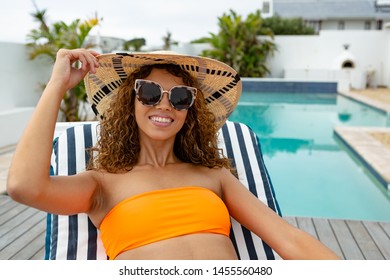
x=307, y=225
x=40, y=255
x=25, y=232
x=386, y=228
x=367, y=246
x=350, y=248
x=327, y=236
x=7, y=207
x=3, y=199
x=18, y=227
x=34, y=246
x=22, y=231
x=10, y=209
x=14, y=221
x=380, y=237
x=291, y=221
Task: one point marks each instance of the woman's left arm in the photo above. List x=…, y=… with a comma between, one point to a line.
x=288, y=241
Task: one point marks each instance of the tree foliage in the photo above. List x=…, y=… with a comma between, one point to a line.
x=134, y=44
x=287, y=26
x=47, y=39
x=237, y=43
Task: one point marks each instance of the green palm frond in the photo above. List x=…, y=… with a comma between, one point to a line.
x=238, y=45
x=47, y=39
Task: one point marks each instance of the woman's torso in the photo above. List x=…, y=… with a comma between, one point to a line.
x=115, y=188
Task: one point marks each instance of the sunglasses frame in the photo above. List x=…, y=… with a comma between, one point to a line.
x=139, y=82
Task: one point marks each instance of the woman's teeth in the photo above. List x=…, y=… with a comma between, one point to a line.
x=161, y=119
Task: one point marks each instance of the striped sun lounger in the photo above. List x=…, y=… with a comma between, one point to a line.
x=75, y=237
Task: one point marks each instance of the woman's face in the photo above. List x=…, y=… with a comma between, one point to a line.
x=162, y=121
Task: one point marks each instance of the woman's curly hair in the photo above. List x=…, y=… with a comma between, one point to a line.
x=118, y=147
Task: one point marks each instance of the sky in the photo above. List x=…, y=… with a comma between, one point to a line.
x=186, y=20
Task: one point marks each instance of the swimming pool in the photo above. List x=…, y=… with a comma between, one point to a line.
x=312, y=173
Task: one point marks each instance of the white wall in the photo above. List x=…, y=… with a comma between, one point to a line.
x=313, y=57
x=20, y=80
x=384, y=67
x=318, y=53
x=20, y=77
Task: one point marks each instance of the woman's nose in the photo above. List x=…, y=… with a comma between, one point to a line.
x=164, y=103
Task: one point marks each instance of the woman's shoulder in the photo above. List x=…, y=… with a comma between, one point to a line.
x=99, y=176
x=217, y=172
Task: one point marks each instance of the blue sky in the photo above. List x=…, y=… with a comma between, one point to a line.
x=150, y=19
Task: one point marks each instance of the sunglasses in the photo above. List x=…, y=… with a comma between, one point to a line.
x=150, y=94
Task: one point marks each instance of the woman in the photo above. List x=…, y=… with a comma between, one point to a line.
x=156, y=160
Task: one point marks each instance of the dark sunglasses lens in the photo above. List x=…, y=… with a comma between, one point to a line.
x=149, y=94
x=181, y=98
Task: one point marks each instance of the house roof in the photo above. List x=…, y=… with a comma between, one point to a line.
x=331, y=9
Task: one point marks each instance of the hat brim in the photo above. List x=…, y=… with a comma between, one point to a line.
x=219, y=82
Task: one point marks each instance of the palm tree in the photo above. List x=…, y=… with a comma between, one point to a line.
x=47, y=40
x=238, y=44
x=168, y=41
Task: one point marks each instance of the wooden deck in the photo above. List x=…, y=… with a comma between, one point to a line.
x=22, y=234
x=22, y=231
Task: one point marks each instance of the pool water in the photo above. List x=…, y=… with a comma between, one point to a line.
x=313, y=174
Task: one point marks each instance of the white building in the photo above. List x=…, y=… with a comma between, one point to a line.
x=336, y=14
x=105, y=44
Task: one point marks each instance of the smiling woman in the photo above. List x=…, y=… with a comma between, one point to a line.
x=147, y=154
x=73, y=237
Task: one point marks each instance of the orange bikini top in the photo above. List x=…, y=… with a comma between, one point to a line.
x=157, y=215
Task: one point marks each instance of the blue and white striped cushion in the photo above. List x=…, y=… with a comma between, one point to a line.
x=75, y=237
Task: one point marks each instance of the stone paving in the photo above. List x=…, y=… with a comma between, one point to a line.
x=378, y=98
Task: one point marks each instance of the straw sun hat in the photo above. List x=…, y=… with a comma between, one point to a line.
x=220, y=83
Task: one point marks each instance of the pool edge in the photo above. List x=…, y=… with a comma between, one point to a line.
x=365, y=153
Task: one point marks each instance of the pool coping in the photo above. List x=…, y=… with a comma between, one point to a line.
x=370, y=151
x=275, y=85
x=375, y=104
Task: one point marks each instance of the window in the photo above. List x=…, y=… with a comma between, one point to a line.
x=341, y=25
x=367, y=25
x=266, y=7
x=379, y=24
x=315, y=24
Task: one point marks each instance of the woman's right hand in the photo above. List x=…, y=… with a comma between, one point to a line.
x=29, y=181
x=65, y=74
